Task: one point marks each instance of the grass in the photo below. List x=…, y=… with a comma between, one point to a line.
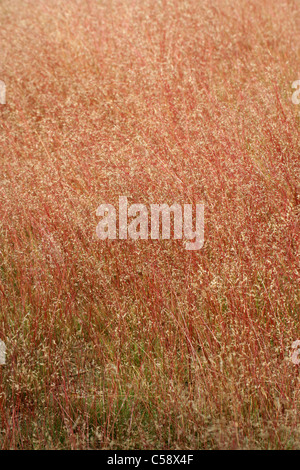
x=142, y=344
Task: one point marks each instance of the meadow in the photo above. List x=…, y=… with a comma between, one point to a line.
x=141, y=344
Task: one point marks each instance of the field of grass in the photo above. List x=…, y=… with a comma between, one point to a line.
x=123, y=344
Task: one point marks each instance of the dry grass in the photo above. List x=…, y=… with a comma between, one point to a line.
x=144, y=345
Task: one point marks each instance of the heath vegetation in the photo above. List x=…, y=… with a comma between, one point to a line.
x=142, y=344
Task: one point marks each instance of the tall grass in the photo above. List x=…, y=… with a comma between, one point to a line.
x=144, y=345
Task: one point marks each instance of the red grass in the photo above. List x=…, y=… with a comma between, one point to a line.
x=123, y=344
